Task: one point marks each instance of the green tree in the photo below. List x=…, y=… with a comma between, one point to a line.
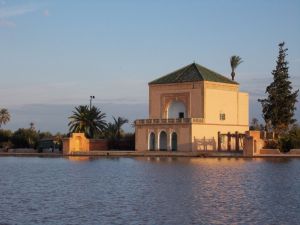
x=234, y=62
x=111, y=131
x=294, y=135
x=279, y=106
x=5, y=137
x=254, y=125
x=4, y=116
x=291, y=139
x=58, y=140
x=119, y=122
x=87, y=120
x=25, y=138
x=32, y=125
x=44, y=135
x=114, y=130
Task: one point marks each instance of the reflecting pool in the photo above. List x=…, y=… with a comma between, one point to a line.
x=149, y=190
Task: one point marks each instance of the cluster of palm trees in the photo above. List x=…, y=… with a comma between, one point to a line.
x=114, y=130
x=4, y=117
x=91, y=121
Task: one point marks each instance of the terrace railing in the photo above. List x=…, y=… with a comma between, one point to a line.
x=169, y=121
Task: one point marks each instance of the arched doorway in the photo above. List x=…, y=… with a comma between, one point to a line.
x=163, y=141
x=174, y=141
x=177, y=109
x=152, y=141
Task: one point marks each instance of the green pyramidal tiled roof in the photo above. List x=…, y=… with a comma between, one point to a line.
x=192, y=73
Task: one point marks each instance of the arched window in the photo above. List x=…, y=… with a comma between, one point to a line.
x=152, y=141
x=163, y=141
x=177, y=109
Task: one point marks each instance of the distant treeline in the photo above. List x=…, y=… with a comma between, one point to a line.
x=27, y=138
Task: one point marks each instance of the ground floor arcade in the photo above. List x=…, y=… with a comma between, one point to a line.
x=186, y=135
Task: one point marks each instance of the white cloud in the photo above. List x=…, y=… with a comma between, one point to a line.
x=7, y=23
x=46, y=12
x=8, y=12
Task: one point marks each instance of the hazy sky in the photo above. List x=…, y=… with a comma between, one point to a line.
x=55, y=54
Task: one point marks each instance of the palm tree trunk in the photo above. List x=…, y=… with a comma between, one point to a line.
x=232, y=75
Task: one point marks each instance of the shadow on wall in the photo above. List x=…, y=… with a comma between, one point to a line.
x=205, y=144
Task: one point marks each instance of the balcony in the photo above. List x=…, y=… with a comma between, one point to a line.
x=170, y=121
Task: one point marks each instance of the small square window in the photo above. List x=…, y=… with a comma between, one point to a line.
x=181, y=115
x=222, y=116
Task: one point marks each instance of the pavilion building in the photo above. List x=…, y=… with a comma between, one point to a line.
x=190, y=109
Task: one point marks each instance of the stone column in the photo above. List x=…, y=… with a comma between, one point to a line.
x=219, y=141
x=228, y=141
x=169, y=140
x=237, y=147
x=156, y=140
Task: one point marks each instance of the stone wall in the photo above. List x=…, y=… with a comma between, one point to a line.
x=98, y=144
x=79, y=143
x=294, y=151
x=254, y=145
x=270, y=152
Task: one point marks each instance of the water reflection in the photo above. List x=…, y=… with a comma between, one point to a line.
x=149, y=190
x=161, y=159
x=277, y=160
x=79, y=158
x=90, y=158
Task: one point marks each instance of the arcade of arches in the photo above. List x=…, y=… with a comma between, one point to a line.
x=162, y=141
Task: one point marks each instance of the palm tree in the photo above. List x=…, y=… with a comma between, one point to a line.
x=111, y=131
x=97, y=124
x=4, y=116
x=234, y=62
x=119, y=122
x=32, y=127
x=89, y=121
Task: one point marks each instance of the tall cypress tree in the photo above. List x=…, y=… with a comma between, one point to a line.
x=279, y=107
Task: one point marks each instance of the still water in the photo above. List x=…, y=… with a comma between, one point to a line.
x=149, y=191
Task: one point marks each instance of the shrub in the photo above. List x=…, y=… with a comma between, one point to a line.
x=5, y=135
x=6, y=145
x=25, y=138
x=285, y=144
x=294, y=135
x=290, y=140
x=271, y=144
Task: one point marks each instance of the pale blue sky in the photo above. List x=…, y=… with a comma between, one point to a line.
x=57, y=53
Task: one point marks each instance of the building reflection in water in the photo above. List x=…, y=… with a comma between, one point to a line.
x=79, y=158
x=90, y=158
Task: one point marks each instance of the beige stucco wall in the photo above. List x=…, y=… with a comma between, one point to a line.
x=243, y=108
x=203, y=99
x=221, y=98
x=189, y=135
x=210, y=132
x=160, y=95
